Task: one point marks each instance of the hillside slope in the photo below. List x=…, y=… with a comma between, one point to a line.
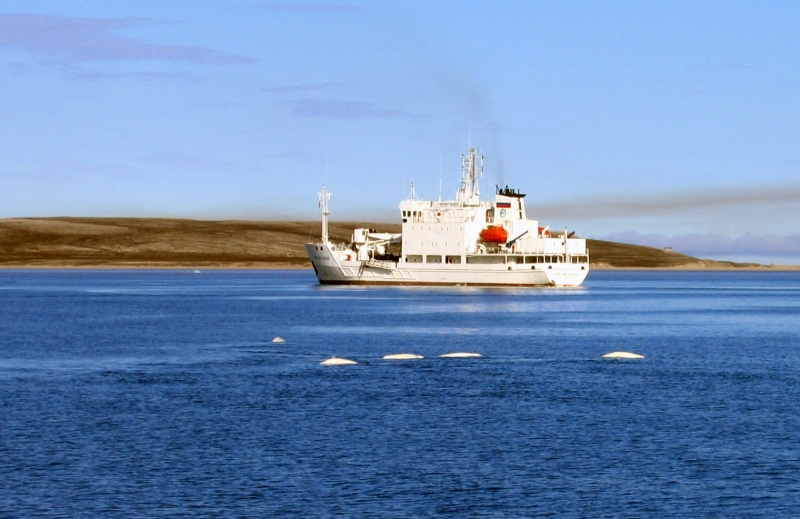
x=161, y=242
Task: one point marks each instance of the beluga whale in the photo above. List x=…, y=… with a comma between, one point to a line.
x=622, y=355
x=337, y=361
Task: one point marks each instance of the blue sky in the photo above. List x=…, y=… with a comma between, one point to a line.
x=665, y=123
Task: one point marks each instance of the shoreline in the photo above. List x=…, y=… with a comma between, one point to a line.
x=179, y=244
x=278, y=266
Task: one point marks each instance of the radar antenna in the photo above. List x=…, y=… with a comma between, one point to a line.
x=471, y=168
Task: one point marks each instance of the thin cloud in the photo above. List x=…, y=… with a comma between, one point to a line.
x=670, y=203
x=63, y=170
x=786, y=82
x=706, y=93
x=189, y=162
x=58, y=39
x=338, y=109
x=140, y=75
x=308, y=8
x=292, y=89
x=721, y=67
x=717, y=245
x=295, y=155
x=14, y=67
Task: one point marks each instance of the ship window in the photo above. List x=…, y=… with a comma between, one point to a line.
x=452, y=259
x=433, y=259
x=514, y=259
x=485, y=259
x=414, y=258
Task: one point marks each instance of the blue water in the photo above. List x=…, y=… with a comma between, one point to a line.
x=160, y=394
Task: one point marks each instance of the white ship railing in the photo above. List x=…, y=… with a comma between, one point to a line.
x=442, y=219
x=381, y=264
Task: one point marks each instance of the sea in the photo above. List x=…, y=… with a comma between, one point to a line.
x=162, y=394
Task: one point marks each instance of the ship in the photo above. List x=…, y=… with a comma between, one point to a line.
x=464, y=242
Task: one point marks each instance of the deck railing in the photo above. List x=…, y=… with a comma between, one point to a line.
x=381, y=264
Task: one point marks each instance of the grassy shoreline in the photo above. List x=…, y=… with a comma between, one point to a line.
x=179, y=244
x=775, y=268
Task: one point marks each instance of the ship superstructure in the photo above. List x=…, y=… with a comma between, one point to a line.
x=465, y=241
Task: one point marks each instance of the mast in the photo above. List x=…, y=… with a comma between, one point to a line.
x=469, y=191
x=324, y=196
x=413, y=197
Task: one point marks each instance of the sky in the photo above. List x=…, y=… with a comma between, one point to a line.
x=661, y=123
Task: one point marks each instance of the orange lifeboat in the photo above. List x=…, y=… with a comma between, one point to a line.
x=494, y=234
x=544, y=231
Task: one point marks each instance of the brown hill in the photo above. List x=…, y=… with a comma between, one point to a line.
x=159, y=242
x=623, y=255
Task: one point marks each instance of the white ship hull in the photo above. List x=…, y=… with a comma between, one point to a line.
x=332, y=271
x=466, y=241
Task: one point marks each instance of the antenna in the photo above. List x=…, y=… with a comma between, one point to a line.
x=324, y=196
x=480, y=175
x=440, y=178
